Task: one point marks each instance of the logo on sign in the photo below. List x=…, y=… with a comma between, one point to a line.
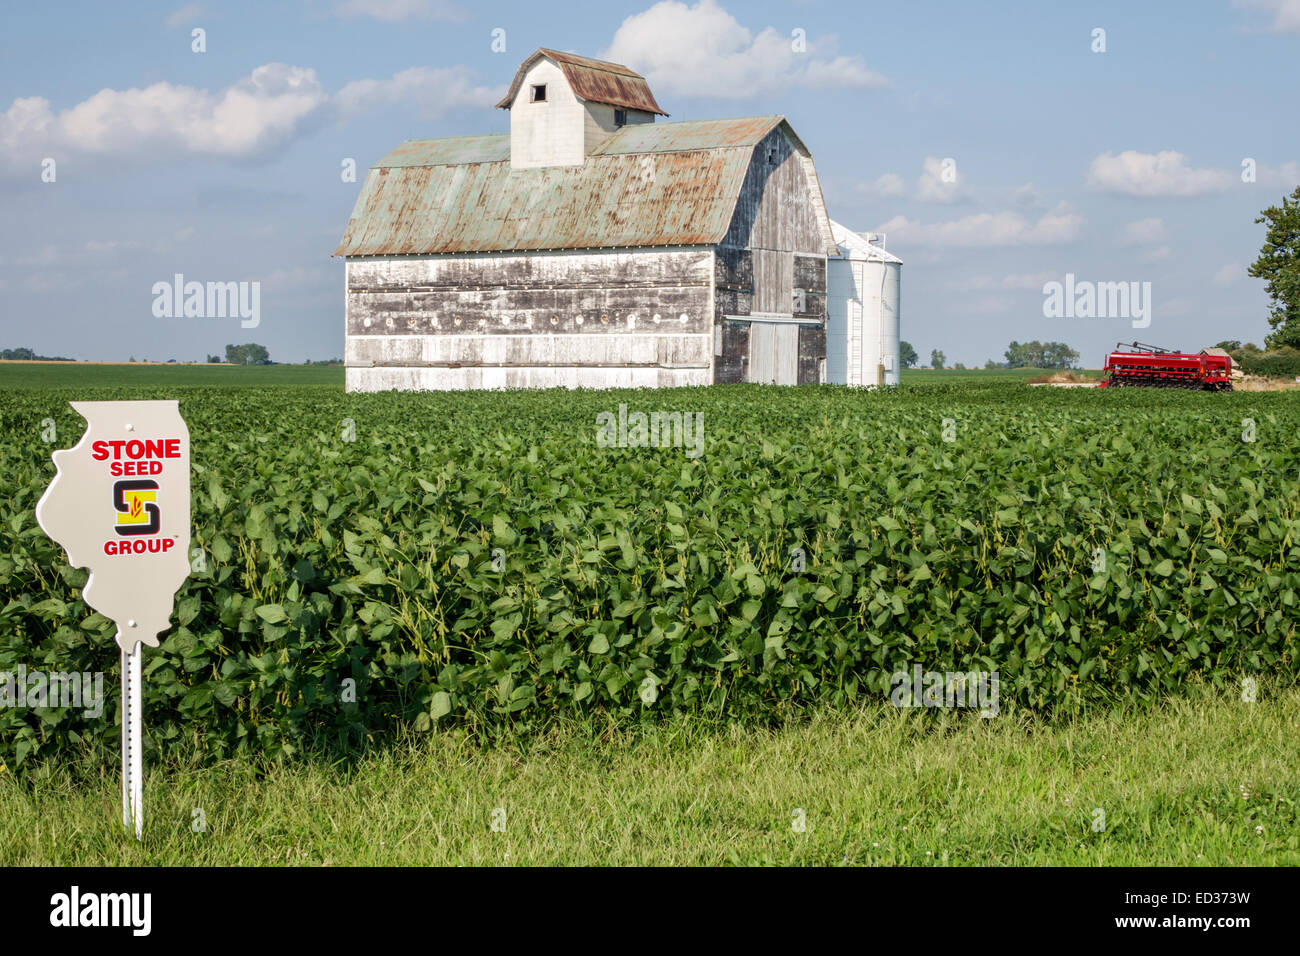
x=137, y=512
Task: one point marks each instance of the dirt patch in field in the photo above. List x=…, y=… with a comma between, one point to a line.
x=1065, y=380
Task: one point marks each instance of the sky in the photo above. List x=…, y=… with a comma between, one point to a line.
x=998, y=146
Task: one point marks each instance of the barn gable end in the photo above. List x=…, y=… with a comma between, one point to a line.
x=770, y=281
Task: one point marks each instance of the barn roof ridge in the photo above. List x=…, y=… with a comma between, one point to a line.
x=597, y=81
x=682, y=136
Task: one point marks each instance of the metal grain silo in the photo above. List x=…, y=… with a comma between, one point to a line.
x=862, y=310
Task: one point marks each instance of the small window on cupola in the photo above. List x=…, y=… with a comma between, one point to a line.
x=539, y=93
x=620, y=118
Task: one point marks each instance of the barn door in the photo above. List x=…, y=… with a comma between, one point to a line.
x=787, y=355
x=762, y=353
x=774, y=353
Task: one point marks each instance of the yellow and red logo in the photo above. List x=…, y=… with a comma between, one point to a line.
x=136, y=504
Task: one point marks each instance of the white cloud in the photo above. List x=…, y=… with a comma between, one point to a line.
x=28, y=119
x=886, y=186
x=1061, y=225
x=394, y=11
x=1027, y=196
x=1143, y=232
x=1229, y=274
x=433, y=90
x=1158, y=254
x=702, y=50
x=186, y=14
x=1155, y=174
x=938, y=182
x=1016, y=281
x=1285, y=13
x=249, y=118
x=1286, y=176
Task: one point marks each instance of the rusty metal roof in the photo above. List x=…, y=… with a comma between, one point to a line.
x=593, y=80
x=452, y=151
x=461, y=195
x=748, y=131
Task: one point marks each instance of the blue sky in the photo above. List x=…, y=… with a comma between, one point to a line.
x=224, y=165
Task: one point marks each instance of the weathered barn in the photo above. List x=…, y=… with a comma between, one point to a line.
x=590, y=246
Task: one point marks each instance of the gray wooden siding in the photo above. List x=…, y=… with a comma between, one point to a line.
x=733, y=294
x=778, y=204
x=774, y=246
x=812, y=354
x=773, y=280
x=389, y=378
x=810, y=277
x=731, y=367
x=598, y=124
x=573, y=313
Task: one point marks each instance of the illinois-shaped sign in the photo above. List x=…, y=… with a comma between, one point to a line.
x=120, y=506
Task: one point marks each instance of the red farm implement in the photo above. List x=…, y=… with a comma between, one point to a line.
x=1149, y=366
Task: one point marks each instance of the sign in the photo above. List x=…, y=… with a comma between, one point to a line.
x=119, y=505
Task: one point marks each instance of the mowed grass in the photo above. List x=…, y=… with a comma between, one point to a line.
x=1204, y=779
x=89, y=375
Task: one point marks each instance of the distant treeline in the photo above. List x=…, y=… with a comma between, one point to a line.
x=1037, y=354
x=235, y=354
x=253, y=354
x=27, y=355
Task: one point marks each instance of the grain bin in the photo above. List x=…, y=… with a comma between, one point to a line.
x=862, y=310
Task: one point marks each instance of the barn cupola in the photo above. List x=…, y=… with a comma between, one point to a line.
x=563, y=106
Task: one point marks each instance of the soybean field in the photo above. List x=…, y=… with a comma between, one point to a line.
x=374, y=566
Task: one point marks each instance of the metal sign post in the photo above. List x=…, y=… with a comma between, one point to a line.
x=120, y=506
x=132, y=741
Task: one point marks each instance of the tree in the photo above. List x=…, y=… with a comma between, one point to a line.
x=250, y=354
x=213, y=359
x=1037, y=354
x=1279, y=266
x=1059, y=355
x=936, y=358
x=907, y=355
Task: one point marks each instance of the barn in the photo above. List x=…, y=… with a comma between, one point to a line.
x=593, y=245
